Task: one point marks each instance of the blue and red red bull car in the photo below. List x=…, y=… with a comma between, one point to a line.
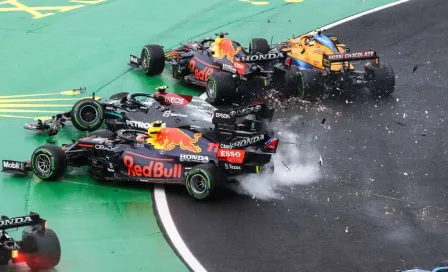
x=228, y=71
x=202, y=159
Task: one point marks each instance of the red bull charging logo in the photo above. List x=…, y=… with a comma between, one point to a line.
x=226, y=49
x=169, y=138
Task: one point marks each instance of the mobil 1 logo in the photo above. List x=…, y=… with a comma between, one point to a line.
x=13, y=166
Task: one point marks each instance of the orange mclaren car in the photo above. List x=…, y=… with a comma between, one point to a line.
x=322, y=65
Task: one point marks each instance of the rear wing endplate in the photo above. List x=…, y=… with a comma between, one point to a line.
x=21, y=221
x=343, y=57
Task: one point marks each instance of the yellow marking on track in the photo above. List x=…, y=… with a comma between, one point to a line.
x=91, y=2
x=21, y=7
x=15, y=116
x=59, y=8
x=43, y=118
x=33, y=111
x=71, y=92
x=33, y=105
x=18, y=103
x=36, y=11
x=43, y=99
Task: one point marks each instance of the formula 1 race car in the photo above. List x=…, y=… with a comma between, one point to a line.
x=325, y=66
x=201, y=159
x=224, y=67
x=440, y=267
x=137, y=110
x=39, y=248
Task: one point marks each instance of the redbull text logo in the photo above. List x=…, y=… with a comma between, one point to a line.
x=169, y=138
x=200, y=74
x=154, y=169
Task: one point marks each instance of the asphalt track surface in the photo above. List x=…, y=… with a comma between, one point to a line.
x=380, y=204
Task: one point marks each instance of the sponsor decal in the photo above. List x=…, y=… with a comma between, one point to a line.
x=174, y=100
x=240, y=67
x=137, y=124
x=111, y=168
x=200, y=74
x=357, y=55
x=222, y=115
x=194, y=158
x=232, y=166
x=14, y=165
x=134, y=59
x=171, y=114
x=245, y=111
x=15, y=221
x=231, y=155
x=260, y=57
x=103, y=147
x=244, y=142
x=154, y=169
x=169, y=138
x=229, y=68
x=138, y=145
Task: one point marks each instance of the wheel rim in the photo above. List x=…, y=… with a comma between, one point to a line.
x=198, y=184
x=88, y=114
x=43, y=164
x=211, y=89
x=145, y=62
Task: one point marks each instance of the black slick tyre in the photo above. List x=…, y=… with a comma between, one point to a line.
x=259, y=45
x=221, y=88
x=41, y=248
x=381, y=78
x=153, y=59
x=203, y=180
x=87, y=115
x=305, y=83
x=49, y=162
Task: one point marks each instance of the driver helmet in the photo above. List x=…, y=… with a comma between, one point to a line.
x=153, y=131
x=214, y=46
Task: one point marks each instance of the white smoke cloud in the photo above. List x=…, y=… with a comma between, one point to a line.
x=296, y=162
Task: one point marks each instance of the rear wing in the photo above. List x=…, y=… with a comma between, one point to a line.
x=343, y=57
x=229, y=117
x=33, y=219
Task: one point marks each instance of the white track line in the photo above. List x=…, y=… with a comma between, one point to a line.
x=356, y=16
x=159, y=191
x=170, y=228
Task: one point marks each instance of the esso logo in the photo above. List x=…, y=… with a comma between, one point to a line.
x=239, y=65
x=174, y=100
x=227, y=153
